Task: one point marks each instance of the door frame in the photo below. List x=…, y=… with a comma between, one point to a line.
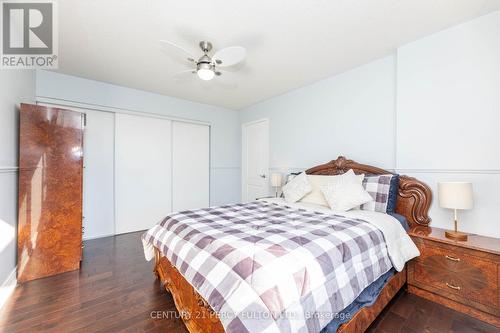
x=244, y=161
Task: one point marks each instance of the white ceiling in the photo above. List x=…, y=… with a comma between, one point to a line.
x=290, y=43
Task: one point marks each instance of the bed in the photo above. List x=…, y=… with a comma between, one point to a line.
x=197, y=312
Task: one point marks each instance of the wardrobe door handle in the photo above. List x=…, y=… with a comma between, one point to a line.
x=452, y=286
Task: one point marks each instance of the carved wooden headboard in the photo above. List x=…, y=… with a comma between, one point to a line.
x=414, y=196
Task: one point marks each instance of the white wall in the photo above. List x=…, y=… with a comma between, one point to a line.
x=449, y=115
x=16, y=86
x=224, y=125
x=351, y=114
x=432, y=111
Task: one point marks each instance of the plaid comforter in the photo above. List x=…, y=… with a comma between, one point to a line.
x=265, y=267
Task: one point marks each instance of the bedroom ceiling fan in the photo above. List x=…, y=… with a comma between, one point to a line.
x=207, y=66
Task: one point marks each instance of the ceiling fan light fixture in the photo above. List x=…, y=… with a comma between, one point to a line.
x=205, y=71
x=207, y=66
x=206, y=74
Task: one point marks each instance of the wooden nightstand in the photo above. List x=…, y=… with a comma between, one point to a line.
x=461, y=275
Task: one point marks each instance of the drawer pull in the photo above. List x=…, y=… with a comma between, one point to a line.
x=452, y=258
x=452, y=286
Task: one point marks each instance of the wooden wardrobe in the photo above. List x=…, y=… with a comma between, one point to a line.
x=50, y=191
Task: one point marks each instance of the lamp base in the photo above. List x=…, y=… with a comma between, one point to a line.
x=456, y=235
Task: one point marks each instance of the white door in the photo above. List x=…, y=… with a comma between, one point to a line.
x=190, y=166
x=143, y=161
x=255, y=160
x=98, y=175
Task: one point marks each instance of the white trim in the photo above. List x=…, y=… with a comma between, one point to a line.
x=224, y=167
x=297, y=169
x=401, y=171
x=8, y=169
x=253, y=122
x=455, y=171
x=396, y=109
x=97, y=237
x=209, y=166
x=115, y=119
x=114, y=175
x=49, y=101
x=171, y=125
x=16, y=169
x=8, y=287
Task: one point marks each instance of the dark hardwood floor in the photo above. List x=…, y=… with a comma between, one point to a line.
x=115, y=291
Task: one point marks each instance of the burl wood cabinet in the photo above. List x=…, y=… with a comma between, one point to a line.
x=50, y=191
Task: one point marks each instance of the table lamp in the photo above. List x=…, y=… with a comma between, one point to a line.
x=276, y=180
x=455, y=195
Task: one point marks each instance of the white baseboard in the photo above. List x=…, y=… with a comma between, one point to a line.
x=8, y=287
x=97, y=237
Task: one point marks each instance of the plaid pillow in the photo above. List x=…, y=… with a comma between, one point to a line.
x=378, y=186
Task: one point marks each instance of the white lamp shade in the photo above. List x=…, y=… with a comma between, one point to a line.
x=455, y=195
x=276, y=179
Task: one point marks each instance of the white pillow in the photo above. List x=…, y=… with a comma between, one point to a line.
x=296, y=188
x=316, y=196
x=345, y=192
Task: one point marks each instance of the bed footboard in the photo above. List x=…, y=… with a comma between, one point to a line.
x=199, y=317
x=195, y=312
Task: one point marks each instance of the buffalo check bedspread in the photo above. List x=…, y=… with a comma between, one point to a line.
x=265, y=267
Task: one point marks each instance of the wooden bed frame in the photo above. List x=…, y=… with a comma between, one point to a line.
x=414, y=199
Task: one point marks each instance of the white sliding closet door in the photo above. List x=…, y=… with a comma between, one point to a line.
x=190, y=166
x=143, y=185
x=98, y=175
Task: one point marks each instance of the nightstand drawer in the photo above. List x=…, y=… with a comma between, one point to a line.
x=454, y=260
x=464, y=284
x=455, y=273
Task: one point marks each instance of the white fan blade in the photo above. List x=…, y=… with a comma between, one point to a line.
x=229, y=56
x=176, y=51
x=184, y=76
